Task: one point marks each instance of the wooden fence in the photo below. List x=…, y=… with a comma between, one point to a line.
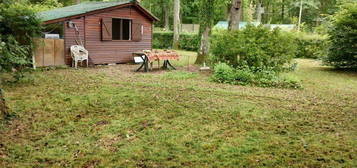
x=190, y=28
x=49, y=52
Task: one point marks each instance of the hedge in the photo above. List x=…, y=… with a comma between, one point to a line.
x=311, y=46
x=189, y=42
x=253, y=47
x=308, y=45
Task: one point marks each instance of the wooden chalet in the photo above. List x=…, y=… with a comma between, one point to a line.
x=110, y=31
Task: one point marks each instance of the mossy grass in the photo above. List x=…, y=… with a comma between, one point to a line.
x=113, y=117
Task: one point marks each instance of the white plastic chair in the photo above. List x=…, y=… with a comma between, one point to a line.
x=78, y=54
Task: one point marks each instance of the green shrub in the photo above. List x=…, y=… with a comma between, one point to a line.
x=224, y=73
x=273, y=79
x=189, y=42
x=253, y=47
x=18, y=26
x=311, y=45
x=163, y=40
x=13, y=55
x=244, y=76
x=343, y=37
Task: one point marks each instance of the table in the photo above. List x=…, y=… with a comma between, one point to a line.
x=150, y=57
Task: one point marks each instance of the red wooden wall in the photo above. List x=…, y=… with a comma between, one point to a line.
x=70, y=37
x=103, y=52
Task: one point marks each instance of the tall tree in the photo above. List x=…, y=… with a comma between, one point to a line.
x=206, y=23
x=166, y=10
x=260, y=11
x=161, y=9
x=235, y=12
x=282, y=10
x=300, y=16
x=177, y=23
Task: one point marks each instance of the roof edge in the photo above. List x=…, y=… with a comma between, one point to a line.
x=131, y=3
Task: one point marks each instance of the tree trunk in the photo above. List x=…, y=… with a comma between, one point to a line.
x=300, y=16
x=234, y=15
x=282, y=11
x=204, y=47
x=77, y=1
x=259, y=12
x=3, y=107
x=166, y=16
x=176, y=24
x=241, y=14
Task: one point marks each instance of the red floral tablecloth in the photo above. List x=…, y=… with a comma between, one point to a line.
x=162, y=55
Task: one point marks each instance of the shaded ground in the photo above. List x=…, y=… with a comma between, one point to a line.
x=112, y=116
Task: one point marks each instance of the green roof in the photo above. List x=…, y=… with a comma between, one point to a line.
x=78, y=9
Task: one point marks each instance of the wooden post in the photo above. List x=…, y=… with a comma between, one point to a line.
x=33, y=60
x=188, y=63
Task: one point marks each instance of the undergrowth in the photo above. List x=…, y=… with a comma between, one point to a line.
x=224, y=73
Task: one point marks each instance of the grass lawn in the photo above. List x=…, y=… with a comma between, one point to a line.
x=113, y=117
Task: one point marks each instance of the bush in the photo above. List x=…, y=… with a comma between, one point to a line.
x=162, y=40
x=254, y=47
x=272, y=79
x=18, y=26
x=224, y=73
x=13, y=55
x=343, y=37
x=311, y=45
x=244, y=76
x=189, y=42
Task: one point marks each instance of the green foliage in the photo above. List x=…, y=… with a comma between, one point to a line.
x=190, y=10
x=18, y=26
x=46, y=5
x=206, y=14
x=277, y=11
x=343, y=37
x=254, y=47
x=189, y=42
x=13, y=55
x=19, y=21
x=158, y=8
x=163, y=40
x=224, y=73
x=267, y=78
x=311, y=45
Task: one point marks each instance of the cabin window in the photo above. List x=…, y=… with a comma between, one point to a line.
x=121, y=29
